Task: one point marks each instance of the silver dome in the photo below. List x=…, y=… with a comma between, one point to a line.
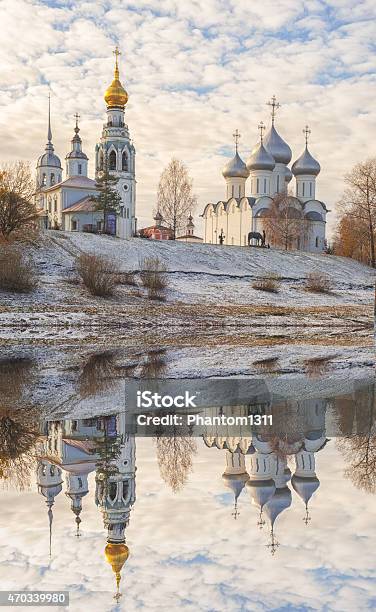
x=306, y=164
x=49, y=159
x=288, y=175
x=305, y=486
x=260, y=159
x=235, y=168
x=277, y=147
x=280, y=501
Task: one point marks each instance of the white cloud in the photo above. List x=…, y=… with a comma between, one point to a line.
x=194, y=72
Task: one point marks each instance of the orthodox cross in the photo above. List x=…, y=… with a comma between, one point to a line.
x=236, y=136
x=116, y=54
x=275, y=106
x=306, y=133
x=273, y=544
x=77, y=117
x=307, y=518
x=261, y=521
x=261, y=128
x=235, y=514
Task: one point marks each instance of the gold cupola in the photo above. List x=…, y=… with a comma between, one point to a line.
x=116, y=555
x=115, y=95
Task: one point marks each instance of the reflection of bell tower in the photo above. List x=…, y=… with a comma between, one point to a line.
x=304, y=480
x=235, y=476
x=115, y=496
x=76, y=488
x=49, y=483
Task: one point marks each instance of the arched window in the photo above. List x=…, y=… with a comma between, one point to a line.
x=317, y=242
x=44, y=179
x=124, y=162
x=264, y=185
x=112, y=491
x=112, y=160
x=258, y=186
x=52, y=178
x=303, y=189
x=277, y=183
x=79, y=168
x=101, y=160
x=310, y=189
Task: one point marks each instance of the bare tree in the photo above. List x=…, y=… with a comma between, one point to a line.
x=175, y=196
x=359, y=202
x=174, y=456
x=17, y=209
x=284, y=224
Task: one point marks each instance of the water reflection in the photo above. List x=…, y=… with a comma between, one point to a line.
x=276, y=472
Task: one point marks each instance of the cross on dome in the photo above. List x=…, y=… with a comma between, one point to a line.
x=306, y=133
x=274, y=106
x=261, y=128
x=236, y=136
x=77, y=117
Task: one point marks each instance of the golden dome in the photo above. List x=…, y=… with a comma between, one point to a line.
x=116, y=555
x=115, y=94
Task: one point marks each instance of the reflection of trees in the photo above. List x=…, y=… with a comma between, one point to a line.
x=18, y=437
x=19, y=425
x=174, y=455
x=356, y=420
x=107, y=448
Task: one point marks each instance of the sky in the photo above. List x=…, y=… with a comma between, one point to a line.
x=195, y=71
x=187, y=552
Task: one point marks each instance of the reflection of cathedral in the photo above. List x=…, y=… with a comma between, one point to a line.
x=260, y=464
x=245, y=210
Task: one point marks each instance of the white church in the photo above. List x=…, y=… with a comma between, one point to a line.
x=246, y=207
x=65, y=203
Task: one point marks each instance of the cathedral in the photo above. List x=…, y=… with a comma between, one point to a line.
x=66, y=203
x=302, y=217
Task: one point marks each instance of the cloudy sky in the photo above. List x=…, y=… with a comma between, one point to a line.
x=194, y=71
x=187, y=552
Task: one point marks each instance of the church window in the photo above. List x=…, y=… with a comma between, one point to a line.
x=127, y=213
x=317, y=242
x=125, y=489
x=74, y=225
x=80, y=482
x=101, y=161
x=303, y=189
x=112, y=160
x=310, y=189
x=44, y=179
x=124, y=162
x=52, y=178
x=277, y=183
x=49, y=205
x=122, y=211
x=44, y=470
x=79, y=168
x=258, y=186
x=112, y=491
x=264, y=185
x=55, y=204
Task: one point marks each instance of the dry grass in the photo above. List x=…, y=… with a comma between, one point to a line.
x=17, y=272
x=269, y=283
x=153, y=277
x=128, y=278
x=97, y=375
x=98, y=273
x=318, y=282
x=267, y=364
x=318, y=366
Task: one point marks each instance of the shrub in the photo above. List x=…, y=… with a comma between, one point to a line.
x=268, y=283
x=17, y=272
x=318, y=282
x=153, y=277
x=98, y=273
x=128, y=278
x=318, y=366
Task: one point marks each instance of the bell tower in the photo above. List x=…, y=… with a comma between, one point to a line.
x=116, y=153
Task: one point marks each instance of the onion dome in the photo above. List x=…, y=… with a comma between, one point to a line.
x=277, y=147
x=305, y=486
x=280, y=501
x=260, y=159
x=115, y=95
x=235, y=482
x=116, y=555
x=261, y=491
x=288, y=175
x=306, y=164
x=49, y=158
x=235, y=168
x=76, y=152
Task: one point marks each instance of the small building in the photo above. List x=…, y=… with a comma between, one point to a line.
x=158, y=231
x=189, y=235
x=83, y=217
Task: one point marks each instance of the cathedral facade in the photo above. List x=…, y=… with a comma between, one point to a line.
x=251, y=207
x=66, y=203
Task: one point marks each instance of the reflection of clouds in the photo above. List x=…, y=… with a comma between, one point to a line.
x=187, y=552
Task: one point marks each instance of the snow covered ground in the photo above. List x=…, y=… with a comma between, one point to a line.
x=212, y=322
